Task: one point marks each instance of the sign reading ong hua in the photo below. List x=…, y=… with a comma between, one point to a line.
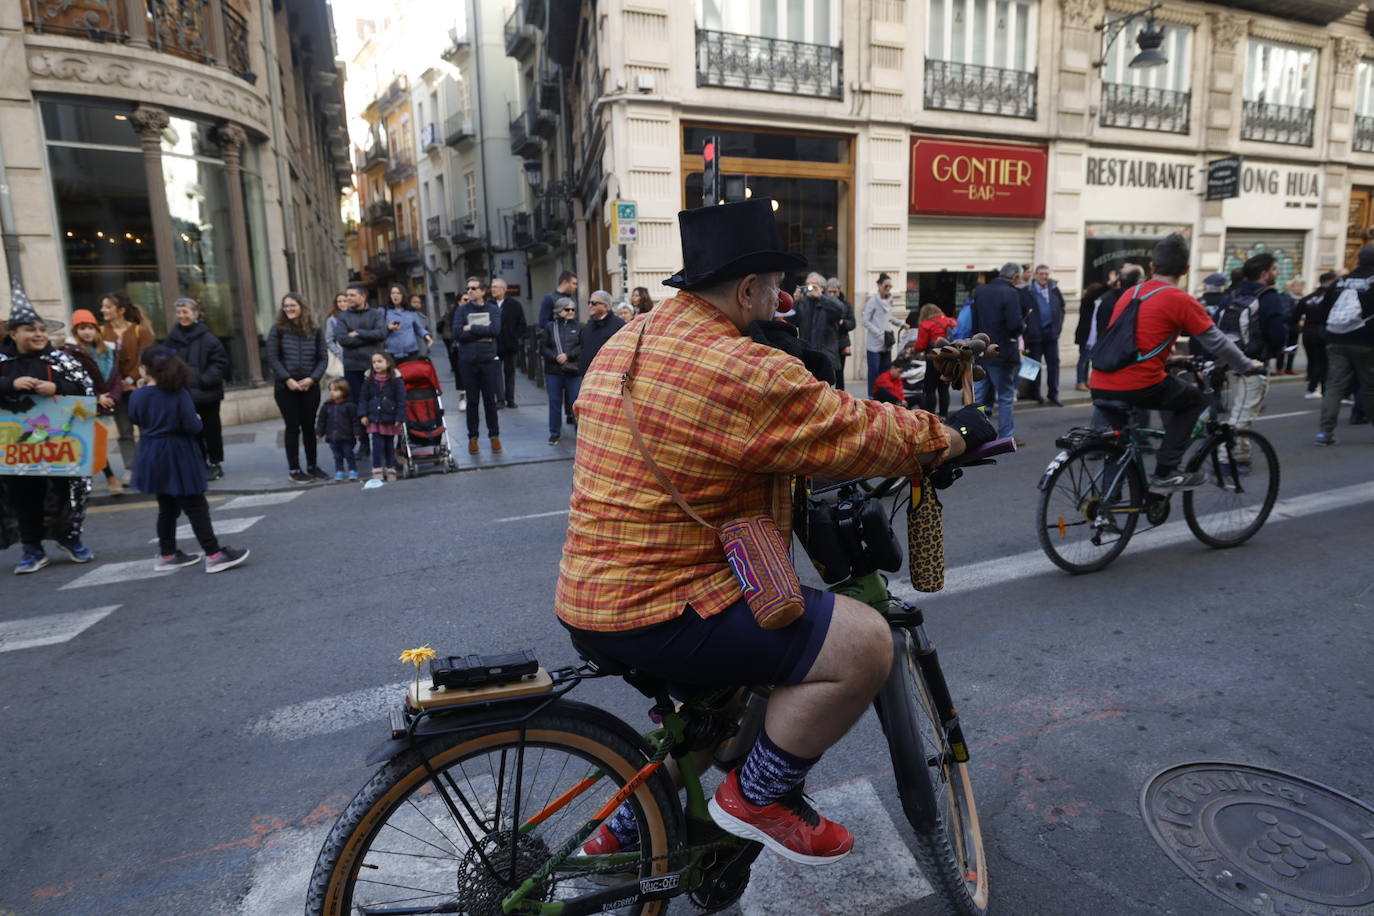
x=953, y=178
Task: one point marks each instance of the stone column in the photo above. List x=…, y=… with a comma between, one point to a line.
x=214, y=31
x=232, y=139
x=1340, y=130
x=136, y=16
x=149, y=122
x=1220, y=129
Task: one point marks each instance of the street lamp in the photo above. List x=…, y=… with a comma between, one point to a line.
x=1149, y=39
x=534, y=173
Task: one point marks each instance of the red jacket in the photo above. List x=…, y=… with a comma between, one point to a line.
x=931, y=330
x=891, y=382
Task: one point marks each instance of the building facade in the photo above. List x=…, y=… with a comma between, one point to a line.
x=936, y=139
x=196, y=153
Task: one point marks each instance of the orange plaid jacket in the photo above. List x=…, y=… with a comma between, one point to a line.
x=728, y=420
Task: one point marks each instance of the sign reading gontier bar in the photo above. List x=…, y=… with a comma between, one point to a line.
x=955, y=178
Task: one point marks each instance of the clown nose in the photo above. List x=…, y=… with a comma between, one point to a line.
x=784, y=301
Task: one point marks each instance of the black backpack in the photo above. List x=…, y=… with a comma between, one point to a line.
x=1115, y=348
x=1237, y=317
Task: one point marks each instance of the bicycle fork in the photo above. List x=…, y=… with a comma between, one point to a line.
x=928, y=660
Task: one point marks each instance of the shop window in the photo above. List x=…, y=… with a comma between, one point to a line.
x=103, y=125
x=1148, y=98
x=1108, y=247
x=1277, y=93
x=980, y=56
x=761, y=145
x=1285, y=245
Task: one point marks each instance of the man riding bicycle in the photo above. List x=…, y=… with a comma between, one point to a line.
x=1165, y=311
x=730, y=417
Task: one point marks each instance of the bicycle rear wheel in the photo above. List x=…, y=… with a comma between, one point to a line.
x=1232, y=506
x=1081, y=526
x=936, y=794
x=431, y=831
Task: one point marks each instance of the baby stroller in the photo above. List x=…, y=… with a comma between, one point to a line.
x=424, y=438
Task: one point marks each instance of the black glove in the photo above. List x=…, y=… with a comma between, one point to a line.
x=973, y=425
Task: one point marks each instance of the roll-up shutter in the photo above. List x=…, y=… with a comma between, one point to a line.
x=1286, y=245
x=945, y=243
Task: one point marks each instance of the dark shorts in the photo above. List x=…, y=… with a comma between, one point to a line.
x=726, y=649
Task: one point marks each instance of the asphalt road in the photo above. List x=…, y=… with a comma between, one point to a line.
x=179, y=744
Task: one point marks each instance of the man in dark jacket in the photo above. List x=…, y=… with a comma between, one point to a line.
x=1311, y=317
x=997, y=313
x=567, y=286
x=601, y=324
x=360, y=332
x=477, y=330
x=1048, y=319
x=31, y=369
x=1262, y=338
x=820, y=319
x=1349, y=310
x=513, y=333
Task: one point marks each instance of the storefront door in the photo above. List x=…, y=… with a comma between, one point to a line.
x=1361, y=223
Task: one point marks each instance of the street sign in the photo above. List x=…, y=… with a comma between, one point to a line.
x=1223, y=178
x=626, y=228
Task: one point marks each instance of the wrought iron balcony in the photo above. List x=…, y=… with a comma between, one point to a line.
x=400, y=166
x=379, y=211
x=178, y=27
x=456, y=43
x=463, y=233
x=395, y=93
x=520, y=35
x=953, y=86
x=542, y=121
x=1145, y=108
x=429, y=137
x=404, y=251
x=522, y=234
x=1364, y=134
x=457, y=129
x=434, y=229
x=734, y=61
x=379, y=264
x=1272, y=123
x=523, y=141
x=552, y=216
x=550, y=81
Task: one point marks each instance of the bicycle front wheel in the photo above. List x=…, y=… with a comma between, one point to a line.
x=1088, y=508
x=936, y=794
x=458, y=822
x=1242, y=485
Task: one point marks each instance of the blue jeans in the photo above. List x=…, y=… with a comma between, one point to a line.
x=344, y=459
x=1002, y=379
x=383, y=452
x=556, y=386
x=878, y=363
x=1084, y=365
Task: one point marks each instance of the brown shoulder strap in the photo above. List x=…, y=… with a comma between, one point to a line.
x=629, y=406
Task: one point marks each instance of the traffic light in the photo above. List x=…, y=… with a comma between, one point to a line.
x=710, y=172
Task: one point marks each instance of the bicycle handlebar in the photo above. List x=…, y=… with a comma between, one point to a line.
x=983, y=454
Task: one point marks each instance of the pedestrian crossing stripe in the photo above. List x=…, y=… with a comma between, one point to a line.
x=49, y=629
x=253, y=500
x=223, y=526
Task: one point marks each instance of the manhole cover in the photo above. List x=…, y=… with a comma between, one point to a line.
x=1267, y=842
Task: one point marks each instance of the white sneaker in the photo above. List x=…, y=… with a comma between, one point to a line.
x=1312, y=396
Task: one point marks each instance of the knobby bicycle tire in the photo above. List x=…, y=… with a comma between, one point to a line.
x=935, y=791
x=1077, y=489
x=1210, y=460
x=405, y=777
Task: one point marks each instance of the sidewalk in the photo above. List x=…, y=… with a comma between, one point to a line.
x=255, y=454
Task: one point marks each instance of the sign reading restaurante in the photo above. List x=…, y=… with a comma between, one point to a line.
x=956, y=178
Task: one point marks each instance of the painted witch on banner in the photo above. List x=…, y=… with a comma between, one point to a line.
x=48, y=436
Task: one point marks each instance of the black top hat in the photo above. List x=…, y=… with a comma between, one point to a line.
x=728, y=241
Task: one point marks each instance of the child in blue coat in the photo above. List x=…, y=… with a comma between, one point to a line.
x=169, y=462
x=383, y=408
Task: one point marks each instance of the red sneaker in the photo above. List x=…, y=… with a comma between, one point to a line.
x=789, y=826
x=602, y=843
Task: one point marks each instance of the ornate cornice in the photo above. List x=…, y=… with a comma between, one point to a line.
x=1297, y=35
x=1170, y=12
x=1227, y=31
x=1083, y=13
x=70, y=65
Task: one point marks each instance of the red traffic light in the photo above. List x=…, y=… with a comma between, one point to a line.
x=709, y=151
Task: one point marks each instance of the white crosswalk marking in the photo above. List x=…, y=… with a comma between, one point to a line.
x=110, y=573
x=329, y=714
x=521, y=518
x=1033, y=562
x=254, y=500
x=223, y=526
x=49, y=629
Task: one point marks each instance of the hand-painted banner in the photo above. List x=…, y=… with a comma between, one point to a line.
x=55, y=437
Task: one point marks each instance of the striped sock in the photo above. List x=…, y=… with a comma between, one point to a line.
x=769, y=772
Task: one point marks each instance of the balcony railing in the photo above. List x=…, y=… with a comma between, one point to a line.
x=456, y=43
x=953, y=86
x=400, y=167
x=463, y=232
x=434, y=230
x=429, y=137
x=521, y=233
x=1364, y=134
x=379, y=264
x=734, y=61
x=550, y=81
x=542, y=121
x=520, y=35
x=379, y=211
x=403, y=251
x=1272, y=123
x=523, y=142
x=1145, y=108
x=177, y=27
x=457, y=128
